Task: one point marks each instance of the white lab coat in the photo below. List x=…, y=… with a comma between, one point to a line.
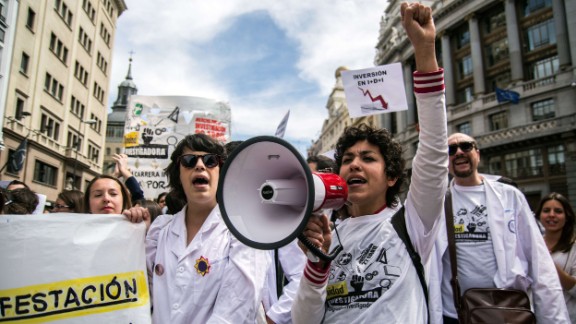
x=522, y=258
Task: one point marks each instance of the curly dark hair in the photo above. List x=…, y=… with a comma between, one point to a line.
x=21, y=201
x=568, y=233
x=390, y=149
x=195, y=142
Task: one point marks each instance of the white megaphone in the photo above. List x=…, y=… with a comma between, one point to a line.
x=267, y=193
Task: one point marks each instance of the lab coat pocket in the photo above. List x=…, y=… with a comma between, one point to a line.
x=207, y=280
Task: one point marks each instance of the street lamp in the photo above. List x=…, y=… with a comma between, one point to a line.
x=76, y=146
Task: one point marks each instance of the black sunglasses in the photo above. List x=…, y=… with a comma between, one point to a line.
x=464, y=146
x=190, y=160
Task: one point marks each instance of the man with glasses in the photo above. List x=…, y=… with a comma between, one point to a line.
x=498, y=243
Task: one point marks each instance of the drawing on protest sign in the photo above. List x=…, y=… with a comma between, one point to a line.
x=88, y=268
x=375, y=90
x=156, y=124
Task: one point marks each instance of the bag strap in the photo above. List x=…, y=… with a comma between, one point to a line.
x=449, y=215
x=399, y=224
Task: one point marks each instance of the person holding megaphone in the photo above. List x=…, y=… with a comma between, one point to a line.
x=198, y=271
x=373, y=279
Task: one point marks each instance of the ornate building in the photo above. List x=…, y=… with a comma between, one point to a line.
x=524, y=48
x=117, y=119
x=57, y=91
x=338, y=119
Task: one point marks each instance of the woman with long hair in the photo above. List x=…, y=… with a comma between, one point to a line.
x=558, y=219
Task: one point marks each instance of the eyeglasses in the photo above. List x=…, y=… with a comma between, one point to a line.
x=189, y=160
x=61, y=206
x=464, y=146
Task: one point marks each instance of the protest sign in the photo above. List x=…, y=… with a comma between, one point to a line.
x=71, y=268
x=375, y=90
x=156, y=124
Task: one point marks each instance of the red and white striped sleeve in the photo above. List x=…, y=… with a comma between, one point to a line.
x=429, y=82
x=316, y=276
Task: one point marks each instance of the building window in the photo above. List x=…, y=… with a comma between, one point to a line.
x=544, y=68
x=101, y=62
x=108, y=151
x=77, y=107
x=556, y=160
x=495, y=19
x=24, y=62
x=118, y=150
x=498, y=121
x=97, y=126
x=541, y=34
x=543, y=109
x=45, y=173
x=89, y=9
x=19, y=108
x=63, y=11
x=495, y=165
x=524, y=164
x=98, y=92
x=464, y=128
x=93, y=153
x=80, y=73
x=105, y=34
x=465, y=67
x=58, y=48
x=530, y=6
x=53, y=87
x=500, y=80
x=462, y=37
x=30, y=19
x=84, y=40
x=465, y=94
x=74, y=141
x=497, y=51
x=50, y=127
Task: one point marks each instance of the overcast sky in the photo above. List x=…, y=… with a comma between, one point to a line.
x=263, y=57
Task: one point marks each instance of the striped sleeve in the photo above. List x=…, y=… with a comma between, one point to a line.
x=429, y=82
x=316, y=276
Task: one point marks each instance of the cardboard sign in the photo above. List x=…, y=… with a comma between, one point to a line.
x=156, y=124
x=70, y=268
x=375, y=90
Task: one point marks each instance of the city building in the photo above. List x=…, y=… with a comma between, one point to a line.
x=510, y=83
x=117, y=120
x=338, y=119
x=56, y=95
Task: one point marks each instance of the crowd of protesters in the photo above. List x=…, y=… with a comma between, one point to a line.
x=199, y=272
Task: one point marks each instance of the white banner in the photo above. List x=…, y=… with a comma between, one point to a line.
x=72, y=268
x=375, y=90
x=155, y=124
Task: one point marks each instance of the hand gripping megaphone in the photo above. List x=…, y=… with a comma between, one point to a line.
x=267, y=193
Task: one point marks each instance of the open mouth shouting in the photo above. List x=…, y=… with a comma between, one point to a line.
x=355, y=181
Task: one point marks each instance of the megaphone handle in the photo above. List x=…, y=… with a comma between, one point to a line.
x=316, y=253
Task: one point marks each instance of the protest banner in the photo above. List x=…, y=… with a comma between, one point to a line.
x=375, y=90
x=72, y=268
x=156, y=124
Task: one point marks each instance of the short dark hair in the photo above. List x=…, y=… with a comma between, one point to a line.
x=174, y=203
x=390, y=149
x=20, y=202
x=17, y=182
x=195, y=142
x=126, y=196
x=322, y=162
x=231, y=146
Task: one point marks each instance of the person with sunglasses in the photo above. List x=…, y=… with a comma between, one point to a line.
x=498, y=243
x=198, y=271
x=374, y=279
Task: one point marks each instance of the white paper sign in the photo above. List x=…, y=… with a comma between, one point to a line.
x=72, y=268
x=375, y=90
x=156, y=124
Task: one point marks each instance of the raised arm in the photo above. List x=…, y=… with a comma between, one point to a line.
x=430, y=165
